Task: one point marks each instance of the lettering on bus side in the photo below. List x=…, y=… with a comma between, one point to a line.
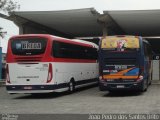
x=120, y=67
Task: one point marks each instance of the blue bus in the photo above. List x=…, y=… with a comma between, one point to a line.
x=125, y=63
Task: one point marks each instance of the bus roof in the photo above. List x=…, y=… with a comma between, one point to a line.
x=122, y=36
x=57, y=37
x=86, y=42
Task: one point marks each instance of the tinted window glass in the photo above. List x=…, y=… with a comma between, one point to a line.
x=67, y=50
x=147, y=50
x=28, y=46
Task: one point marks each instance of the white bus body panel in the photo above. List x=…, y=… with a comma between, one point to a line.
x=37, y=74
x=78, y=71
x=28, y=74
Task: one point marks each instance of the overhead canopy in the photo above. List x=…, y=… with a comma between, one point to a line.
x=83, y=22
x=79, y=22
x=88, y=22
x=137, y=22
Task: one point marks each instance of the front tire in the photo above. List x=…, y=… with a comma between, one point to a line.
x=150, y=79
x=144, y=86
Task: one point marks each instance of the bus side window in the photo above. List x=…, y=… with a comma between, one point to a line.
x=147, y=50
x=67, y=50
x=55, y=49
x=150, y=52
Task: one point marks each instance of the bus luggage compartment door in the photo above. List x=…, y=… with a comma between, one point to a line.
x=25, y=74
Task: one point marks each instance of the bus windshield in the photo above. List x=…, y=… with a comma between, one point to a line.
x=119, y=53
x=120, y=50
x=28, y=46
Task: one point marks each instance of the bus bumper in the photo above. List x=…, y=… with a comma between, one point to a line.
x=36, y=88
x=105, y=86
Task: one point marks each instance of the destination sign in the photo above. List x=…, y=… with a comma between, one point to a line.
x=120, y=42
x=27, y=46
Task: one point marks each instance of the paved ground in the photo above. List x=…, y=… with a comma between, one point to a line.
x=83, y=101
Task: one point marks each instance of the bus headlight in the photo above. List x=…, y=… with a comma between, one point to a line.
x=140, y=78
x=100, y=77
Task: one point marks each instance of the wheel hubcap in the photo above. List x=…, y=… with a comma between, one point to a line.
x=71, y=86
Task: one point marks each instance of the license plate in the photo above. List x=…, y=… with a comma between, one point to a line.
x=27, y=87
x=120, y=86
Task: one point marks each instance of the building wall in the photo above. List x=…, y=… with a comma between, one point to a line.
x=155, y=74
x=3, y=65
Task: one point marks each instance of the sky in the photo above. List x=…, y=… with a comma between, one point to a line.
x=51, y=5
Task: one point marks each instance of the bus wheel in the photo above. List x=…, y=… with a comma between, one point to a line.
x=71, y=86
x=150, y=79
x=144, y=86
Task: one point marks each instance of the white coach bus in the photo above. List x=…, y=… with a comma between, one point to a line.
x=40, y=63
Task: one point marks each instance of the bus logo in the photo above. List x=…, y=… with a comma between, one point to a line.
x=120, y=67
x=121, y=43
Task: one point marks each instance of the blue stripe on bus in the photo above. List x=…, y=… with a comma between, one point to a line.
x=134, y=71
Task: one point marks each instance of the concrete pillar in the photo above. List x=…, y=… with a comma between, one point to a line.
x=21, y=30
x=0, y=63
x=156, y=66
x=159, y=69
x=105, y=31
x=103, y=21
